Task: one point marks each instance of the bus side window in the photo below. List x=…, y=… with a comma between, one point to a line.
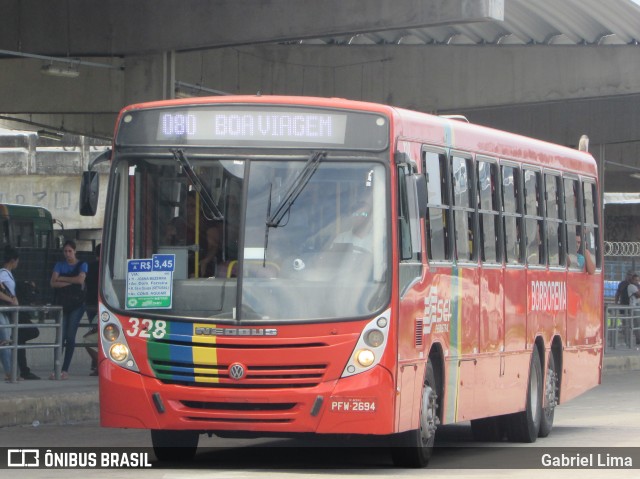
x=489, y=211
x=512, y=218
x=591, y=221
x=24, y=235
x=463, y=208
x=438, y=241
x=554, y=220
x=573, y=228
x=404, y=232
x=534, y=214
x=4, y=232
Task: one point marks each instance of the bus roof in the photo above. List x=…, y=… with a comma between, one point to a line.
x=23, y=211
x=423, y=127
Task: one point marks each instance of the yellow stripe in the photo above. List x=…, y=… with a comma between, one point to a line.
x=205, y=356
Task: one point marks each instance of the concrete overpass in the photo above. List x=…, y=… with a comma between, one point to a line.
x=545, y=68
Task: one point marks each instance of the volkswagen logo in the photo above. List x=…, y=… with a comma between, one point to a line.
x=236, y=371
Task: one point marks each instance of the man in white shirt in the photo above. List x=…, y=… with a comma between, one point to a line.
x=633, y=290
x=359, y=234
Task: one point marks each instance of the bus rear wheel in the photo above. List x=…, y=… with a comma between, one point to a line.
x=414, y=448
x=550, y=397
x=524, y=426
x=174, y=446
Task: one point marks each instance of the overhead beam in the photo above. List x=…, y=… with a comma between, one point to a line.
x=125, y=27
x=559, y=94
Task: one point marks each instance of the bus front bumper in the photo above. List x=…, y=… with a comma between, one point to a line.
x=360, y=404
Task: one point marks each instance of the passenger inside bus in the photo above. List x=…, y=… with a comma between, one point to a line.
x=357, y=236
x=583, y=258
x=211, y=257
x=174, y=232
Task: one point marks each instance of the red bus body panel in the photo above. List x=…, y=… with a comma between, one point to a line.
x=481, y=322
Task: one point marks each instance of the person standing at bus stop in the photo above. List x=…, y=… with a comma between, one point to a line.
x=633, y=290
x=68, y=279
x=7, y=298
x=622, y=295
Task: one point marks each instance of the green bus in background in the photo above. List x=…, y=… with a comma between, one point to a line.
x=25, y=226
x=30, y=229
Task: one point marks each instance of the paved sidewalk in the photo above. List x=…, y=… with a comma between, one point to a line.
x=47, y=401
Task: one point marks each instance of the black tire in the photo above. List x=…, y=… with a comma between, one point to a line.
x=174, y=446
x=524, y=426
x=549, y=398
x=414, y=448
x=488, y=429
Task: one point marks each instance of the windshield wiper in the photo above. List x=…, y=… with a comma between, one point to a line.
x=209, y=204
x=296, y=187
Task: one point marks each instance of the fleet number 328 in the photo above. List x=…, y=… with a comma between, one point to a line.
x=146, y=328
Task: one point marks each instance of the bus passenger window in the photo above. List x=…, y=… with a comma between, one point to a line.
x=435, y=168
x=554, y=221
x=573, y=216
x=463, y=209
x=534, y=218
x=24, y=235
x=488, y=206
x=591, y=217
x=512, y=220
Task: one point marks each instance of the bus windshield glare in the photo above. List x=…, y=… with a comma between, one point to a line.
x=325, y=257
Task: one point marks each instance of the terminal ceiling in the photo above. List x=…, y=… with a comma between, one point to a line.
x=566, y=67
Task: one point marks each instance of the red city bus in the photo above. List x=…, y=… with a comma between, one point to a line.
x=284, y=265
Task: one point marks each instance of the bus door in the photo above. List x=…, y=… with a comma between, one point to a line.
x=411, y=293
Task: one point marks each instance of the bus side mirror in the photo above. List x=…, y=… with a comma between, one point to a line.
x=89, y=190
x=90, y=185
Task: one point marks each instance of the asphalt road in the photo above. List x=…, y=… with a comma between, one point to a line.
x=604, y=421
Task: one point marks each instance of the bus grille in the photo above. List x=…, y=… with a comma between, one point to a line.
x=241, y=413
x=256, y=377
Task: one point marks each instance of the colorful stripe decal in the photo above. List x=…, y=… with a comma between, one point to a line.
x=455, y=346
x=180, y=359
x=205, y=356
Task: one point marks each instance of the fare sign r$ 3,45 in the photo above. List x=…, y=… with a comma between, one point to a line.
x=150, y=282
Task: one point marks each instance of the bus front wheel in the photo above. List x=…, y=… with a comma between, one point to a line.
x=414, y=448
x=174, y=446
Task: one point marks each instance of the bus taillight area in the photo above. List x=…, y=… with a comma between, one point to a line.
x=360, y=404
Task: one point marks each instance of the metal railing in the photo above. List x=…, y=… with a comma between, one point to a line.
x=622, y=324
x=49, y=317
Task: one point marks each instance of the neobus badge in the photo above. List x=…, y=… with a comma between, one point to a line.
x=204, y=331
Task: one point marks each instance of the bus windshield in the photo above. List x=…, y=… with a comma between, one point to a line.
x=326, y=257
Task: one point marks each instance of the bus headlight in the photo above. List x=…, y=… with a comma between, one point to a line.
x=111, y=332
x=374, y=338
x=365, y=358
x=119, y=352
x=370, y=347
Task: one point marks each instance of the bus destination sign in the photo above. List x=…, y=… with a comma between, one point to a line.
x=254, y=126
x=261, y=126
